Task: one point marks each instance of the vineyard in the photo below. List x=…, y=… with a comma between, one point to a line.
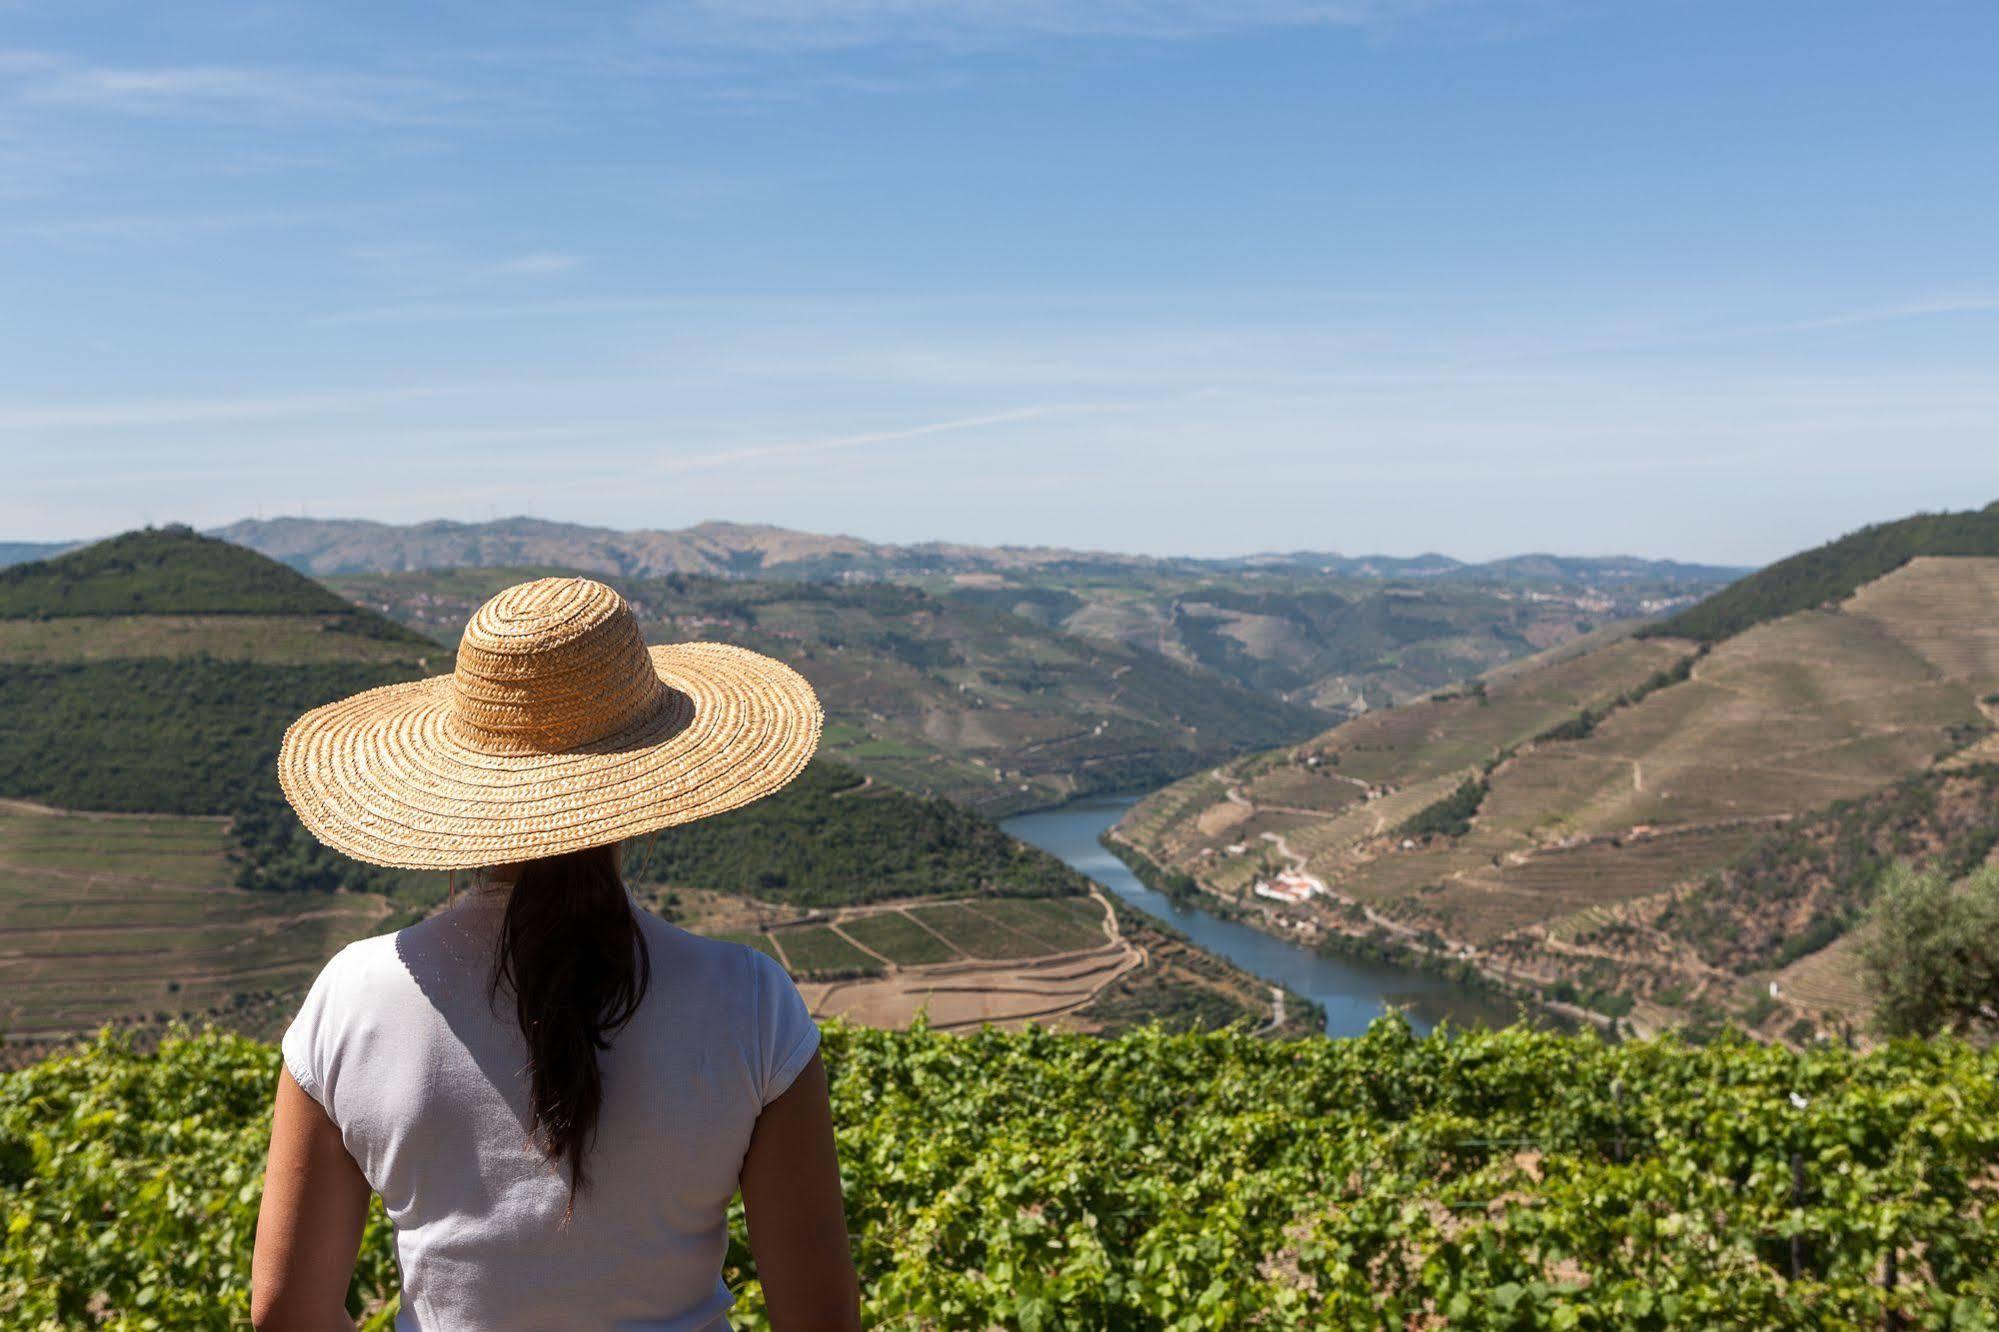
x=1036, y=1180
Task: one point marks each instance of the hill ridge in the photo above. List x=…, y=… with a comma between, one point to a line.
x=346, y=546
x=174, y=570
x=1833, y=572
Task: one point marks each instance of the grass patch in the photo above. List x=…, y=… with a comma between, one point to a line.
x=267, y=638
x=175, y=850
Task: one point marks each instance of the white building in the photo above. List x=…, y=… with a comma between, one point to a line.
x=1294, y=887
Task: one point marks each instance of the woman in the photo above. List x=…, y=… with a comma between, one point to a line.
x=555, y=1094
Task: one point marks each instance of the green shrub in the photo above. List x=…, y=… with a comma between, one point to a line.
x=1449, y=817
x=1934, y=955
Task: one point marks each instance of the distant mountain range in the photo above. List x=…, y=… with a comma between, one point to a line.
x=739, y=550
x=21, y=552
x=1337, y=633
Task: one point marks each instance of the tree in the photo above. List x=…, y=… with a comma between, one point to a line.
x=1934, y=959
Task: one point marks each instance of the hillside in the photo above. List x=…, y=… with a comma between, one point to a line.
x=832, y=840
x=1505, y=826
x=144, y=687
x=1835, y=571
x=157, y=671
x=932, y=694
x=1349, y=648
x=148, y=679
x=1214, y=1182
x=173, y=571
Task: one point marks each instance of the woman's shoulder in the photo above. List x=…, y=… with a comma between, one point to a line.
x=738, y=994
x=698, y=954
x=362, y=959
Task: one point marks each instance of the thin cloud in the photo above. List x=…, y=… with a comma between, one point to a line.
x=612, y=477
x=231, y=92
x=1963, y=303
x=829, y=25
x=157, y=226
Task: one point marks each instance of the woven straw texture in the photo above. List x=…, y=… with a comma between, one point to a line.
x=558, y=730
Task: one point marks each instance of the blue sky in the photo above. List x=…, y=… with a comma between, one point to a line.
x=1680, y=278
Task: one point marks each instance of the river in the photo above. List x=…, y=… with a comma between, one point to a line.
x=1353, y=993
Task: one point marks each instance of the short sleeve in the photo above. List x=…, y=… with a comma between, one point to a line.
x=310, y=1039
x=787, y=1038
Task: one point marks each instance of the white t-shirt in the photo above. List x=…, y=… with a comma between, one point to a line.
x=423, y=1076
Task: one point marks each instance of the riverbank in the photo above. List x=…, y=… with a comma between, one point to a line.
x=1357, y=934
x=1352, y=992
x=1368, y=943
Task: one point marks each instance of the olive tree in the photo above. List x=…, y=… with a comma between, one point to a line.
x=1934, y=955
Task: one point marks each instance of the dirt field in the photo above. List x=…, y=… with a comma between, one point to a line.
x=964, y=962
x=966, y=994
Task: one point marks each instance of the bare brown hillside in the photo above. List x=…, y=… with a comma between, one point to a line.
x=1594, y=783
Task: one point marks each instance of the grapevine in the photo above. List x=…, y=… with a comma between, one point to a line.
x=1038, y=1180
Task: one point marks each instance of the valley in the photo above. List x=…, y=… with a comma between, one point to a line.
x=150, y=874
x=929, y=694
x=1336, y=633
x=1559, y=825
x=1559, y=819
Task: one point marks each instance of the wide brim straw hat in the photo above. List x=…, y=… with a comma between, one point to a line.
x=559, y=730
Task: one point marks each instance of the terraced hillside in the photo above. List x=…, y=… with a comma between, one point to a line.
x=1077, y=962
x=933, y=695
x=148, y=681
x=1510, y=823
x=137, y=919
x=1341, y=644
x=156, y=672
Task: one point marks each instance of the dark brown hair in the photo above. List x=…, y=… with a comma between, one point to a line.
x=571, y=951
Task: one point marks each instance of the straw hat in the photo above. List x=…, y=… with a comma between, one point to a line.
x=559, y=730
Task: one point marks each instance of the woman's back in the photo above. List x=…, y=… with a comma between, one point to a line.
x=419, y=1064
x=555, y=1094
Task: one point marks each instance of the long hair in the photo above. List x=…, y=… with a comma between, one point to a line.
x=571, y=950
